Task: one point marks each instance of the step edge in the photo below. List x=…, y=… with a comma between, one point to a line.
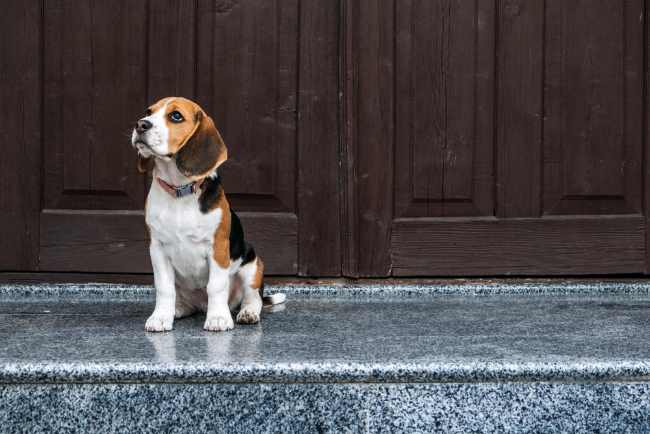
x=124, y=291
x=578, y=371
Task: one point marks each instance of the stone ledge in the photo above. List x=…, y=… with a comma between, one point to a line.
x=316, y=337
x=77, y=358
x=587, y=372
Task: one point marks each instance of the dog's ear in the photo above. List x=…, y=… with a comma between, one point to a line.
x=203, y=151
x=145, y=164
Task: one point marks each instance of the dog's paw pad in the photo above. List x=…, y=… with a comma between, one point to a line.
x=248, y=316
x=157, y=323
x=218, y=323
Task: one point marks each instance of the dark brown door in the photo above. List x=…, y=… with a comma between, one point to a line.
x=367, y=138
x=496, y=138
x=81, y=71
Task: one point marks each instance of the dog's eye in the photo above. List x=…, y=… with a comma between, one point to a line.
x=176, y=116
x=147, y=112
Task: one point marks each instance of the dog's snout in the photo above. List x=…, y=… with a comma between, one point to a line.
x=143, y=125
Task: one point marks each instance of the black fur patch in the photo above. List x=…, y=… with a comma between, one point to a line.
x=239, y=248
x=210, y=191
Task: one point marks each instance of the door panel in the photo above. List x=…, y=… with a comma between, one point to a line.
x=94, y=241
x=593, y=142
x=520, y=246
x=444, y=110
x=247, y=80
x=518, y=136
x=94, y=86
x=240, y=61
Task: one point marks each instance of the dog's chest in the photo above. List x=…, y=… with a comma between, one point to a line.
x=185, y=233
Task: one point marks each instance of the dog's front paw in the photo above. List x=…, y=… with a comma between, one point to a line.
x=159, y=323
x=248, y=315
x=218, y=323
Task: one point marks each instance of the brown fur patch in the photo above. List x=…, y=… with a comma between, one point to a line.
x=159, y=104
x=180, y=133
x=144, y=164
x=221, y=239
x=195, y=142
x=259, y=274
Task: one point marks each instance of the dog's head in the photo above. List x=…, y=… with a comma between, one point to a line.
x=178, y=129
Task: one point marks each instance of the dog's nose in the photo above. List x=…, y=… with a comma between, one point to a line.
x=142, y=125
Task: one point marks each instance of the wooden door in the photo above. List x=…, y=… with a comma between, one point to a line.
x=493, y=138
x=82, y=71
x=367, y=138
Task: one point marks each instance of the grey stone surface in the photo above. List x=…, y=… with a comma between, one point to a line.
x=331, y=339
x=77, y=359
x=259, y=408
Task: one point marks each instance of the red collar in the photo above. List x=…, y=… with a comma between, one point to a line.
x=181, y=190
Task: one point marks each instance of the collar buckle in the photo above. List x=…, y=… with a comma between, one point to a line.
x=180, y=191
x=185, y=190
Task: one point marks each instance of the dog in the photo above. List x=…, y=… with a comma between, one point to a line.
x=201, y=261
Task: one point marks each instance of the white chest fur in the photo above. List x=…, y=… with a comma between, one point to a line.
x=185, y=234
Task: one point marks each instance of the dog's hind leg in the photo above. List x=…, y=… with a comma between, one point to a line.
x=251, y=275
x=183, y=308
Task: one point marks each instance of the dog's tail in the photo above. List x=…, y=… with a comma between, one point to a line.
x=273, y=299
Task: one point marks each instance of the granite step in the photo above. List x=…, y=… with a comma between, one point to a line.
x=536, y=356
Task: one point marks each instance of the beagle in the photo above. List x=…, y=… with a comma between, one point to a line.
x=200, y=259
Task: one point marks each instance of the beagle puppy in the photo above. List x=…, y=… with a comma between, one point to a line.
x=200, y=259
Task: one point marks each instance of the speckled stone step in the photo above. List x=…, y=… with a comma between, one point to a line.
x=538, y=356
